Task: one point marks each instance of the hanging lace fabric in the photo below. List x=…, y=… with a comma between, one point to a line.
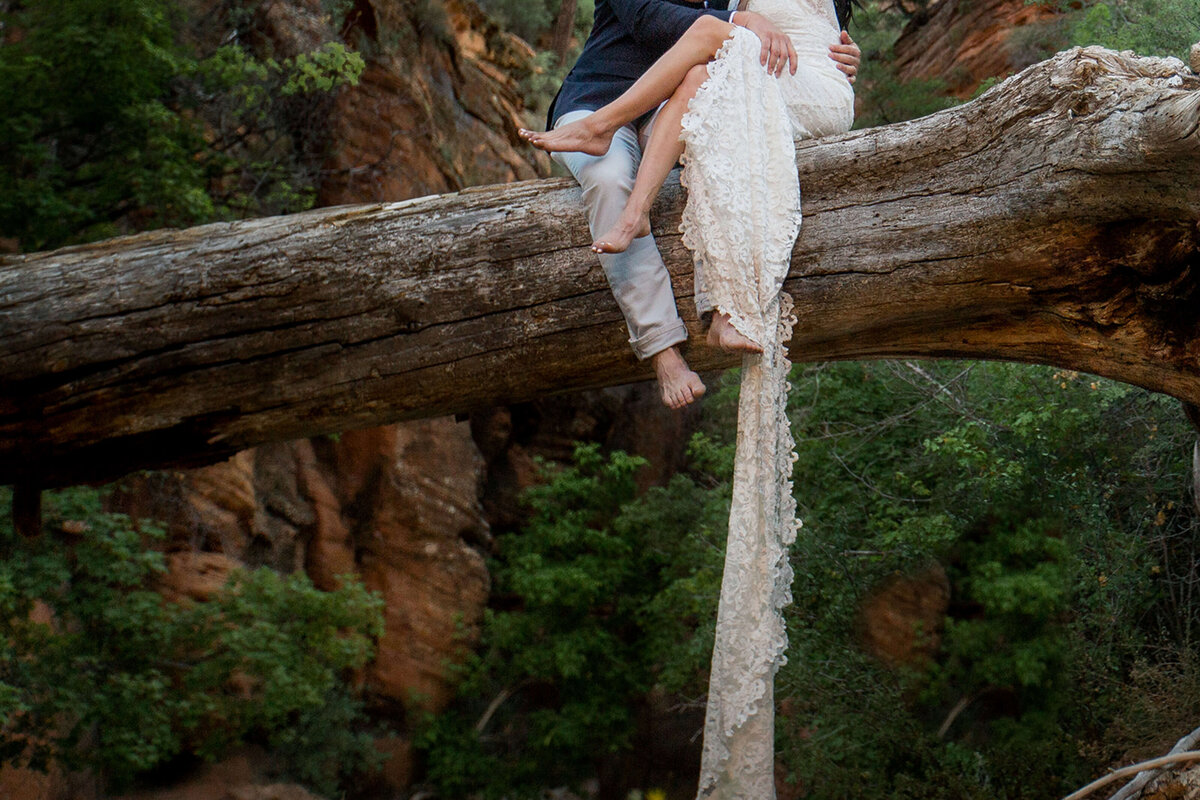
x=741, y=222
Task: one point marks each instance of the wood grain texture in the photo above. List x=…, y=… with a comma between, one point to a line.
x=1053, y=220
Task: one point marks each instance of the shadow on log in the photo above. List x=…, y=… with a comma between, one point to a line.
x=1052, y=220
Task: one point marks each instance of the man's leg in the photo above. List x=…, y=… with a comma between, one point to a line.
x=639, y=279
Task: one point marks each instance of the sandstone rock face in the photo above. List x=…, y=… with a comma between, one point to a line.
x=398, y=505
x=433, y=114
x=196, y=575
x=248, y=509
x=963, y=42
x=901, y=618
x=26, y=784
x=630, y=418
x=436, y=110
x=244, y=775
x=412, y=493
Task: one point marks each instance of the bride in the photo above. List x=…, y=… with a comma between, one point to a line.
x=734, y=124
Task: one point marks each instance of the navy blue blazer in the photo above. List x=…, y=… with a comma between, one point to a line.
x=627, y=37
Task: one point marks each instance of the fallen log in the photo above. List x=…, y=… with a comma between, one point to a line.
x=1053, y=220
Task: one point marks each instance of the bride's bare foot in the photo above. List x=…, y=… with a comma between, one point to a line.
x=582, y=136
x=629, y=227
x=722, y=334
x=679, y=385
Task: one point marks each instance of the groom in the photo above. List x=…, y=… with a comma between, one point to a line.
x=627, y=37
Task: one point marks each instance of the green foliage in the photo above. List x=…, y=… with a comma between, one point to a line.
x=113, y=124
x=1039, y=492
x=884, y=97
x=602, y=596
x=534, y=21
x=121, y=681
x=1055, y=504
x=1148, y=27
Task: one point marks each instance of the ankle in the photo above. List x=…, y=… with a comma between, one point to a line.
x=599, y=126
x=636, y=210
x=668, y=359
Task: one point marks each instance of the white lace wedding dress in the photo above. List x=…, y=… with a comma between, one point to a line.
x=740, y=222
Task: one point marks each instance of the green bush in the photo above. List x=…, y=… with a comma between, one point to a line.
x=1057, y=504
x=113, y=124
x=1148, y=27
x=599, y=598
x=122, y=681
x=1050, y=498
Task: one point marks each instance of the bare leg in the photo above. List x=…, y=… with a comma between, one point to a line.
x=678, y=384
x=698, y=45
x=662, y=151
x=661, y=154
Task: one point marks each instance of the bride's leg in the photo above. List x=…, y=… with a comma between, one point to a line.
x=659, y=157
x=698, y=45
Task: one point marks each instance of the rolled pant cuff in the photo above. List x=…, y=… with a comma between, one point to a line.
x=660, y=340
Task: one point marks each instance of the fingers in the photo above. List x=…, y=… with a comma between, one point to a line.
x=847, y=55
x=779, y=53
x=846, y=40
x=847, y=65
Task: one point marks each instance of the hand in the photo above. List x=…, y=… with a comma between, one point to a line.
x=847, y=55
x=777, y=50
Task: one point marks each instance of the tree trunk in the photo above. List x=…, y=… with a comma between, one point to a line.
x=1053, y=220
x=564, y=26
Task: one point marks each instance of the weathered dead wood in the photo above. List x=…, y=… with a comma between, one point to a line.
x=1053, y=220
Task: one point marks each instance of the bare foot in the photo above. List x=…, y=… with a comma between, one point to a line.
x=583, y=136
x=722, y=334
x=629, y=227
x=679, y=385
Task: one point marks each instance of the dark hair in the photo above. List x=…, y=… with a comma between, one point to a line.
x=844, y=10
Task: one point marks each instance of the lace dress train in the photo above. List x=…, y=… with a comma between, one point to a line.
x=740, y=222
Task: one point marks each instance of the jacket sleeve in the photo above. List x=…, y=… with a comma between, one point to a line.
x=657, y=21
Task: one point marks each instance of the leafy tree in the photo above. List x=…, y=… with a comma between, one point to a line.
x=112, y=123
x=1048, y=497
x=1148, y=27
x=1056, y=503
x=884, y=98
x=599, y=598
x=109, y=675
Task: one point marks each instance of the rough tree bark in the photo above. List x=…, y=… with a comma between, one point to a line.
x=564, y=26
x=1052, y=220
